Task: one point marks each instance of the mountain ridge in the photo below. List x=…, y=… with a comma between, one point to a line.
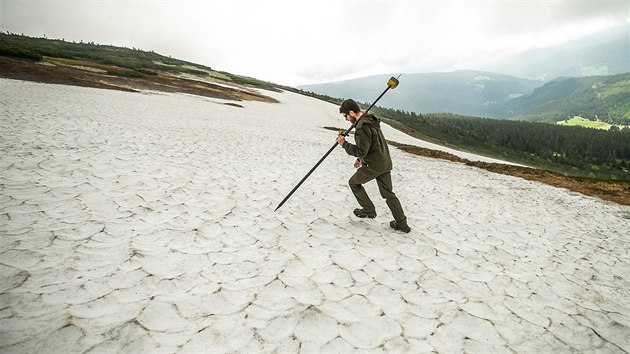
x=499, y=96
x=472, y=92
x=605, y=98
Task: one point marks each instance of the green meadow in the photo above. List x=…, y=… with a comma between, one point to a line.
x=583, y=122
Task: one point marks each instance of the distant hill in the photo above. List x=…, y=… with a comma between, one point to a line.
x=467, y=92
x=489, y=94
x=604, y=53
x=598, y=97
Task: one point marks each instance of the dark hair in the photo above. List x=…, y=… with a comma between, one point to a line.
x=349, y=105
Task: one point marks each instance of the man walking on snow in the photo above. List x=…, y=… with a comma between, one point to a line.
x=373, y=162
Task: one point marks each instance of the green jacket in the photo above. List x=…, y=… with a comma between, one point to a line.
x=371, y=146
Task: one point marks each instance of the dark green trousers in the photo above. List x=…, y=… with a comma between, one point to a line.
x=384, y=182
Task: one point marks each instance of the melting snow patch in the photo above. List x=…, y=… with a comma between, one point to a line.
x=145, y=223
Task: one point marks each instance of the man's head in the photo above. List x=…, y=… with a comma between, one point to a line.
x=350, y=110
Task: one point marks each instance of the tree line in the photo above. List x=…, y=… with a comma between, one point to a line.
x=594, y=152
x=571, y=150
x=136, y=62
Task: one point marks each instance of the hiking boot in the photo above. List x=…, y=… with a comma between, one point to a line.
x=402, y=227
x=361, y=213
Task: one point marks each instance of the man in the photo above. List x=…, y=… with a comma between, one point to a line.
x=373, y=162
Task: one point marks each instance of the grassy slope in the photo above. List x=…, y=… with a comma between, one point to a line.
x=581, y=122
x=113, y=60
x=606, y=98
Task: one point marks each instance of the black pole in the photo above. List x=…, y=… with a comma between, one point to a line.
x=392, y=83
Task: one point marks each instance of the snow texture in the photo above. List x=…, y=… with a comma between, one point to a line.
x=144, y=222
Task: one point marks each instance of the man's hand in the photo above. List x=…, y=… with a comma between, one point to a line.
x=341, y=139
x=357, y=163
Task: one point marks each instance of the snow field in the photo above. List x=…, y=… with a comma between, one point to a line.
x=145, y=223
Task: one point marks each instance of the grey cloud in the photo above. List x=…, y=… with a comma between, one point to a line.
x=525, y=16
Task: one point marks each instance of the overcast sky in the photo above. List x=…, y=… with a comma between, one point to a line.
x=299, y=42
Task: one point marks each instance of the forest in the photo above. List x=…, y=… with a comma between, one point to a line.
x=572, y=150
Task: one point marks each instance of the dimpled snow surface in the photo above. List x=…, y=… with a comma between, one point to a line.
x=144, y=222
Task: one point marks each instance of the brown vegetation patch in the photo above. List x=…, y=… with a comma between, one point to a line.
x=24, y=69
x=614, y=191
